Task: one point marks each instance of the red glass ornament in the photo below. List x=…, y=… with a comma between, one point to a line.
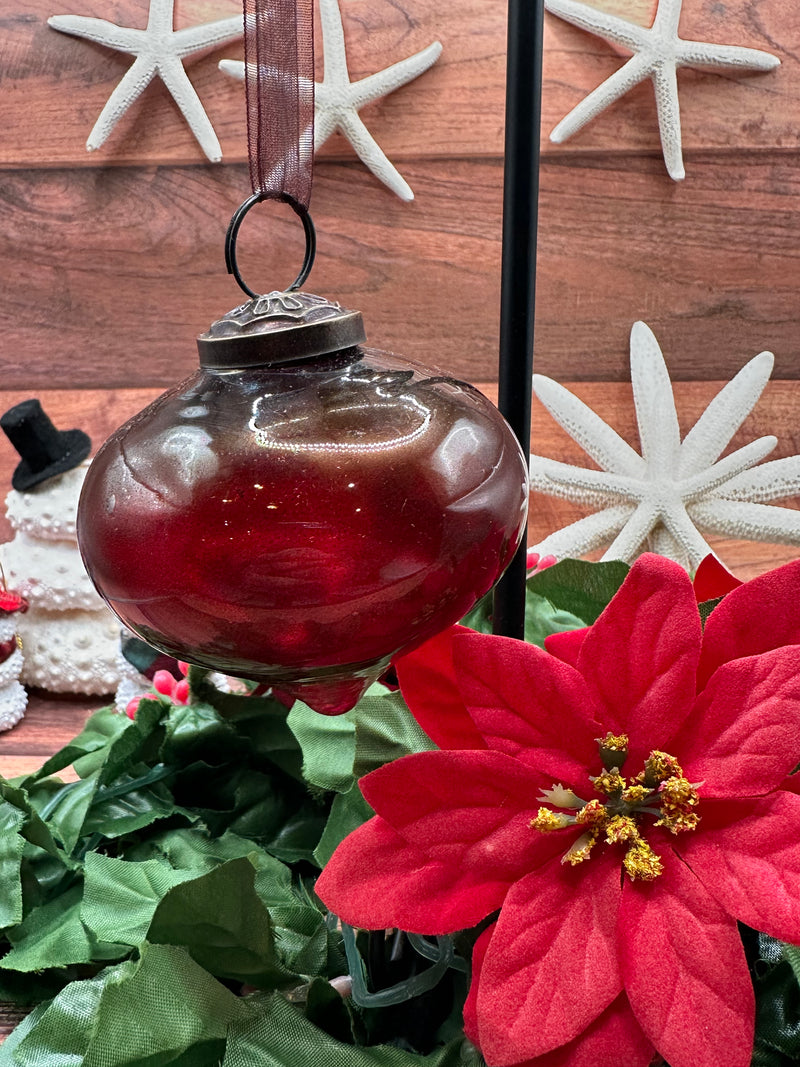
x=302, y=522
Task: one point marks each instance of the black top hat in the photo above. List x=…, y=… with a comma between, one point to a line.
x=45, y=451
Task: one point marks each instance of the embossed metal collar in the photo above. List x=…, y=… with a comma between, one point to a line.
x=279, y=327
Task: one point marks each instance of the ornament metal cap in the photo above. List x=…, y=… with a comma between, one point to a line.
x=45, y=451
x=279, y=327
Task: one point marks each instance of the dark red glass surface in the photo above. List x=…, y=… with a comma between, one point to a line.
x=303, y=525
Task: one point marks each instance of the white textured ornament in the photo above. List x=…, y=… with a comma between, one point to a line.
x=13, y=701
x=70, y=651
x=49, y=510
x=159, y=51
x=69, y=636
x=49, y=574
x=665, y=498
x=658, y=52
x=337, y=100
x=13, y=698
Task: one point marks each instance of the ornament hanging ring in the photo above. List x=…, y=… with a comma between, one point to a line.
x=233, y=232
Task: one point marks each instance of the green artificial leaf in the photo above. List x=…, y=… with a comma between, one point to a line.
x=542, y=619
x=262, y=722
x=9, y=1046
x=138, y=744
x=100, y=730
x=385, y=731
x=777, y=1040
x=68, y=808
x=791, y=953
x=706, y=607
x=301, y=937
x=328, y=1010
x=280, y=1036
x=133, y=801
x=194, y=851
x=120, y=898
x=576, y=586
x=480, y=616
x=53, y=936
x=12, y=844
x=198, y=732
x=328, y=744
x=161, y=1010
x=348, y=812
x=34, y=829
x=224, y=925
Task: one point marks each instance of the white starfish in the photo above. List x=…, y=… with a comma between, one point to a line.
x=338, y=101
x=658, y=51
x=159, y=50
x=664, y=497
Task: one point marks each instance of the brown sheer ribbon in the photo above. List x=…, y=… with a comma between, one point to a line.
x=279, y=78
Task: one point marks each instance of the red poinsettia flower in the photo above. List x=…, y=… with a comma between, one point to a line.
x=618, y=799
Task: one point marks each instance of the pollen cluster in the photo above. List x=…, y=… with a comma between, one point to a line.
x=660, y=791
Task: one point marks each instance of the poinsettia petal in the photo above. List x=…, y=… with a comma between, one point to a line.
x=551, y=967
x=530, y=705
x=376, y=879
x=566, y=645
x=758, y=616
x=685, y=971
x=712, y=579
x=640, y=657
x=743, y=737
x=613, y=1038
x=428, y=684
x=747, y=854
x=471, y=1003
x=467, y=809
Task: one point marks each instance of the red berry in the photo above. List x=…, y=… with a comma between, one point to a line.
x=164, y=683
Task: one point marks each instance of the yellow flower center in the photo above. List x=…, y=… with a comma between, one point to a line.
x=660, y=791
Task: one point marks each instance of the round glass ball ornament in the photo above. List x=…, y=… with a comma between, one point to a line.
x=302, y=509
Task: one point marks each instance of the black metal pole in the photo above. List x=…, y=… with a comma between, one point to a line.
x=518, y=281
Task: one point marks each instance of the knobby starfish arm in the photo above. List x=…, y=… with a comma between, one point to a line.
x=133, y=82
x=692, y=544
x=593, y=434
x=769, y=481
x=195, y=38
x=579, y=484
x=746, y=521
x=586, y=534
x=635, y=70
x=701, y=54
x=372, y=156
x=654, y=401
x=662, y=542
x=183, y=93
x=394, y=77
x=324, y=124
x=633, y=535
x=665, y=83
x=620, y=31
x=728, y=467
x=99, y=31
x=615, y=487
x=713, y=431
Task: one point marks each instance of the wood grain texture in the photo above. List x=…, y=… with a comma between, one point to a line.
x=108, y=276
x=456, y=109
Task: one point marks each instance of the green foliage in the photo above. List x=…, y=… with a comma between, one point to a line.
x=160, y=909
x=568, y=595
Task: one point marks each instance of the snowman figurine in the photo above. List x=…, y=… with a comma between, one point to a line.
x=70, y=639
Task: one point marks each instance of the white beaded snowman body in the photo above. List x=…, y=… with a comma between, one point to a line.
x=70, y=639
